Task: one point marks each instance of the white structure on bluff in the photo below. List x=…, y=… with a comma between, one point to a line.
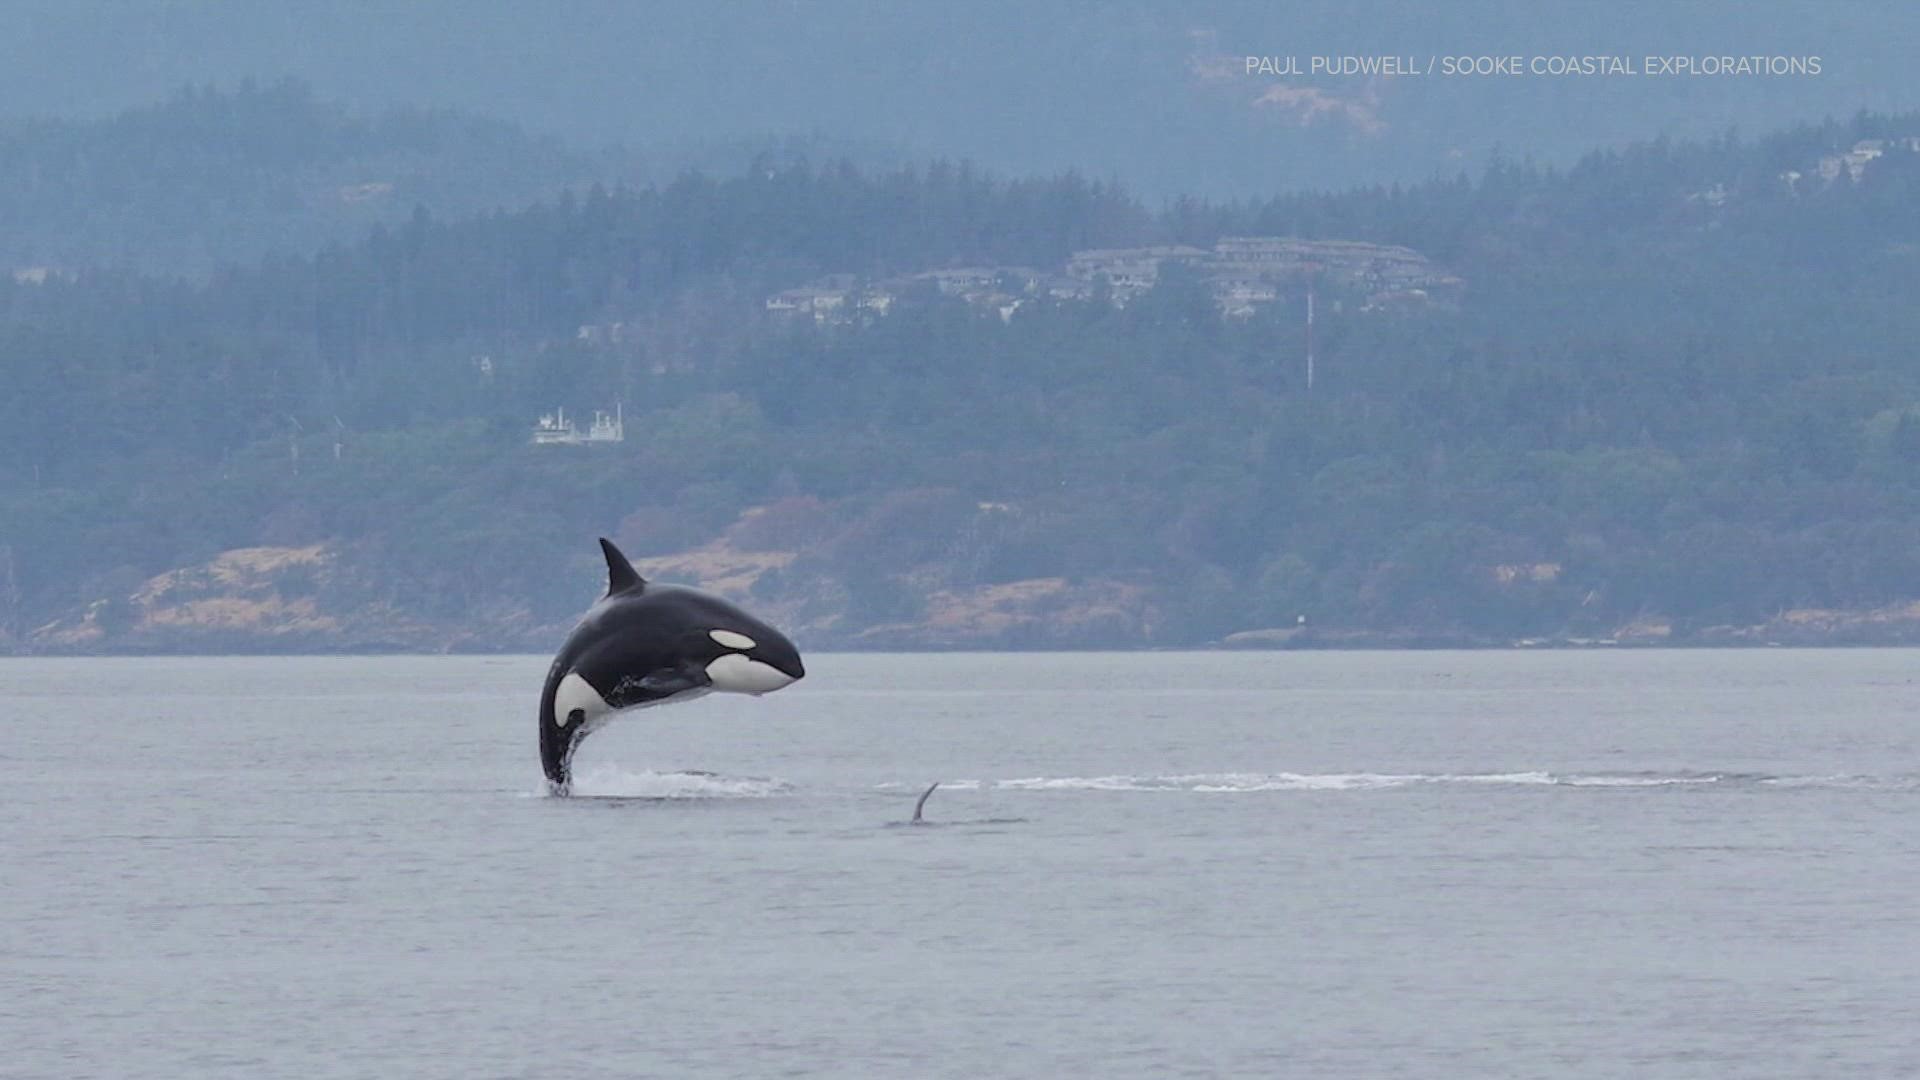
x=556, y=429
x=1854, y=162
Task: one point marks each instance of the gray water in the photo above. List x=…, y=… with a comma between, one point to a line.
x=1435, y=864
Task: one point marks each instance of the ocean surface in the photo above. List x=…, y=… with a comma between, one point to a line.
x=1429, y=864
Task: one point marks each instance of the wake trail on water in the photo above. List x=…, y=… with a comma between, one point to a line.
x=1244, y=782
x=610, y=781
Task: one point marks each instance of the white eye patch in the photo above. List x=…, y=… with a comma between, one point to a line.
x=731, y=640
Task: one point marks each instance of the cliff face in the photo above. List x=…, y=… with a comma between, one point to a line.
x=822, y=608
x=259, y=599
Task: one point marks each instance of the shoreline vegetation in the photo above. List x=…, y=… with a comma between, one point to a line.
x=234, y=606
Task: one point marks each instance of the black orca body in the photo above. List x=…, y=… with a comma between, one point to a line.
x=645, y=645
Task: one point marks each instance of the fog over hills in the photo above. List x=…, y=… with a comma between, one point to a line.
x=968, y=327
x=215, y=176
x=1666, y=393
x=1152, y=94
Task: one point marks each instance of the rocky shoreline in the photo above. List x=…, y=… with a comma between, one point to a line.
x=302, y=600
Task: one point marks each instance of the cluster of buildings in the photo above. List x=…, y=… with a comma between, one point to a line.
x=1243, y=273
x=1853, y=163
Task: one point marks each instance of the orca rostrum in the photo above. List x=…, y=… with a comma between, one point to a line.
x=643, y=645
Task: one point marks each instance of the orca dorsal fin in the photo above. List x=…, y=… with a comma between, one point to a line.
x=621, y=576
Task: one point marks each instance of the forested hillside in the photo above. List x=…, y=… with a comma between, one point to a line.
x=212, y=177
x=1677, y=398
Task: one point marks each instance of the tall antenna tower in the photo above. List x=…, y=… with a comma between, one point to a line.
x=1309, y=337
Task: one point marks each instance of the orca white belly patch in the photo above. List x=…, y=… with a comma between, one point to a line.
x=573, y=693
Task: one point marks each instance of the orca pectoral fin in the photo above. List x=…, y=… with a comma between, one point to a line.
x=656, y=685
x=675, y=682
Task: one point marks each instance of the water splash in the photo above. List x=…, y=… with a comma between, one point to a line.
x=614, y=782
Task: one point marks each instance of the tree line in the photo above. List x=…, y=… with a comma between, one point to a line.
x=1677, y=385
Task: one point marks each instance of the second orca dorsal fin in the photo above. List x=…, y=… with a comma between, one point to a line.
x=621, y=576
x=922, y=804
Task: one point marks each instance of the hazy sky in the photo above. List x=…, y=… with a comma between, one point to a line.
x=1153, y=93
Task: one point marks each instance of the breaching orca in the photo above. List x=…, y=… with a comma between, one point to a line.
x=644, y=645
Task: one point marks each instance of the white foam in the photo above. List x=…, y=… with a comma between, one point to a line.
x=1236, y=782
x=1636, y=781
x=1496, y=778
x=1232, y=782
x=611, y=781
x=1211, y=782
x=1081, y=783
x=916, y=786
x=1904, y=782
